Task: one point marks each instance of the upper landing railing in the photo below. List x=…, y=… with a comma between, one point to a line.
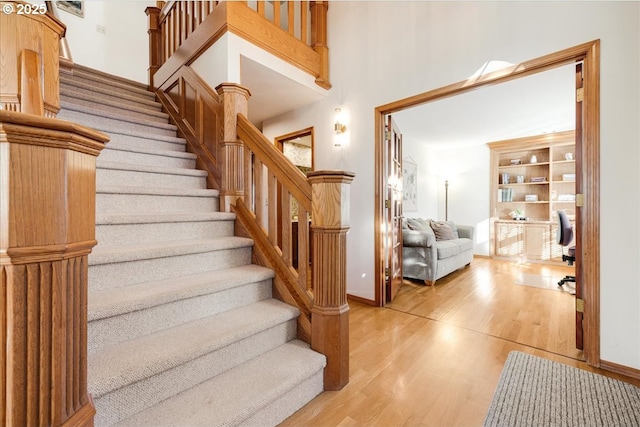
x=295, y=31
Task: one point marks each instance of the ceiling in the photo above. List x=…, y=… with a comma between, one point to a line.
x=541, y=103
x=532, y=105
x=272, y=93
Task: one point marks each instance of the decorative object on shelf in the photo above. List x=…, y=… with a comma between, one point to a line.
x=567, y=198
x=516, y=162
x=568, y=176
x=520, y=179
x=530, y=197
x=534, y=159
x=517, y=214
x=505, y=178
x=539, y=179
x=568, y=156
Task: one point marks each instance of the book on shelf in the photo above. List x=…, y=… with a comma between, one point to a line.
x=505, y=194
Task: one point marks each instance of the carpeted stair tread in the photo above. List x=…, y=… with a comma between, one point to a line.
x=108, y=219
x=108, y=303
x=96, y=115
x=131, y=148
x=71, y=86
x=106, y=105
x=121, y=137
x=152, y=169
x=152, y=354
x=141, y=251
x=97, y=78
x=160, y=191
x=234, y=396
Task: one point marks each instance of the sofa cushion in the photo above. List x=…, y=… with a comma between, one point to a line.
x=447, y=249
x=444, y=230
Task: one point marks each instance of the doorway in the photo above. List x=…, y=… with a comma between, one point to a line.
x=587, y=213
x=297, y=146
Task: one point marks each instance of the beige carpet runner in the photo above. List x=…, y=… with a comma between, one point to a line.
x=538, y=392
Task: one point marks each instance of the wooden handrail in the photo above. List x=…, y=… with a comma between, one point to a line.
x=182, y=30
x=259, y=184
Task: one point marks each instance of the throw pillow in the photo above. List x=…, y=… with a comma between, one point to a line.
x=443, y=230
x=417, y=224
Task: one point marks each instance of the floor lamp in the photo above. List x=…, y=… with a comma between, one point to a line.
x=446, y=200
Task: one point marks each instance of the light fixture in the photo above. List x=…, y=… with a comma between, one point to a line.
x=339, y=127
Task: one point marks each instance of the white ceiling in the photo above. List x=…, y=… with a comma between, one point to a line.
x=272, y=93
x=532, y=105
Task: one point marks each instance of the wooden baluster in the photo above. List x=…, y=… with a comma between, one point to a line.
x=258, y=173
x=272, y=215
x=330, y=311
x=30, y=78
x=276, y=14
x=319, y=39
x=291, y=17
x=155, y=42
x=234, y=99
x=285, y=218
x=304, y=27
x=303, y=247
x=261, y=7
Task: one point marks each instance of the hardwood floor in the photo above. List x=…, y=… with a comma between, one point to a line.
x=434, y=356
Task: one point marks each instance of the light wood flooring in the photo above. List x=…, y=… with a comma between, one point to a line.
x=434, y=356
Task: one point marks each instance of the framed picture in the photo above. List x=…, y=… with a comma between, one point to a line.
x=409, y=186
x=74, y=7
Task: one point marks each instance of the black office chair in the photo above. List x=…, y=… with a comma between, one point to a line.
x=565, y=236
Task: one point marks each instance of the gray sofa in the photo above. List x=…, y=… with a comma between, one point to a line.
x=430, y=255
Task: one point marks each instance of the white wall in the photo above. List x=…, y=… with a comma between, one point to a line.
x=123, y=50
x=384, y=51
x=467, y=170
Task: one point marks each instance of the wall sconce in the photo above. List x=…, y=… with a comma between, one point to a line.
x=339, y=127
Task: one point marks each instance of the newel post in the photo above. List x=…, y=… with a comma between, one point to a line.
x=234, y=99
x=47, y=230
x=319, y=39
x=330, y=311
x=155, y=42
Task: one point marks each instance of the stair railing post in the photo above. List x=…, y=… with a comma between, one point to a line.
x=155, y=43
x=234, y=100
x=330, y=311
x=319, y=39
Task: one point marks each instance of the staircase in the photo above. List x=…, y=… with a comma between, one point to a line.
x=182, y=328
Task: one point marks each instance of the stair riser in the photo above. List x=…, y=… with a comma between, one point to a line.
x=143, y=101
x=127, y=401
x=131, y=111
x=109, y=203
x=287, y=404
x=109, y=276
x=149, y=179
x=138, y=323
x=112, y=86
x=108, y=125
x=145, y=159
x=122, y=234
x=122, y=141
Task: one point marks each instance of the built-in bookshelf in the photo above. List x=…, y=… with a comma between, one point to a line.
x=531, y=179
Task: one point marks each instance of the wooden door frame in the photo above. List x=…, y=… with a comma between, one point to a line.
x=589, y=54
x=280, y=140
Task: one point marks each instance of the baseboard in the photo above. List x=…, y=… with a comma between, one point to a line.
x=627, y=371
x=361, y=300
x=482, y=256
